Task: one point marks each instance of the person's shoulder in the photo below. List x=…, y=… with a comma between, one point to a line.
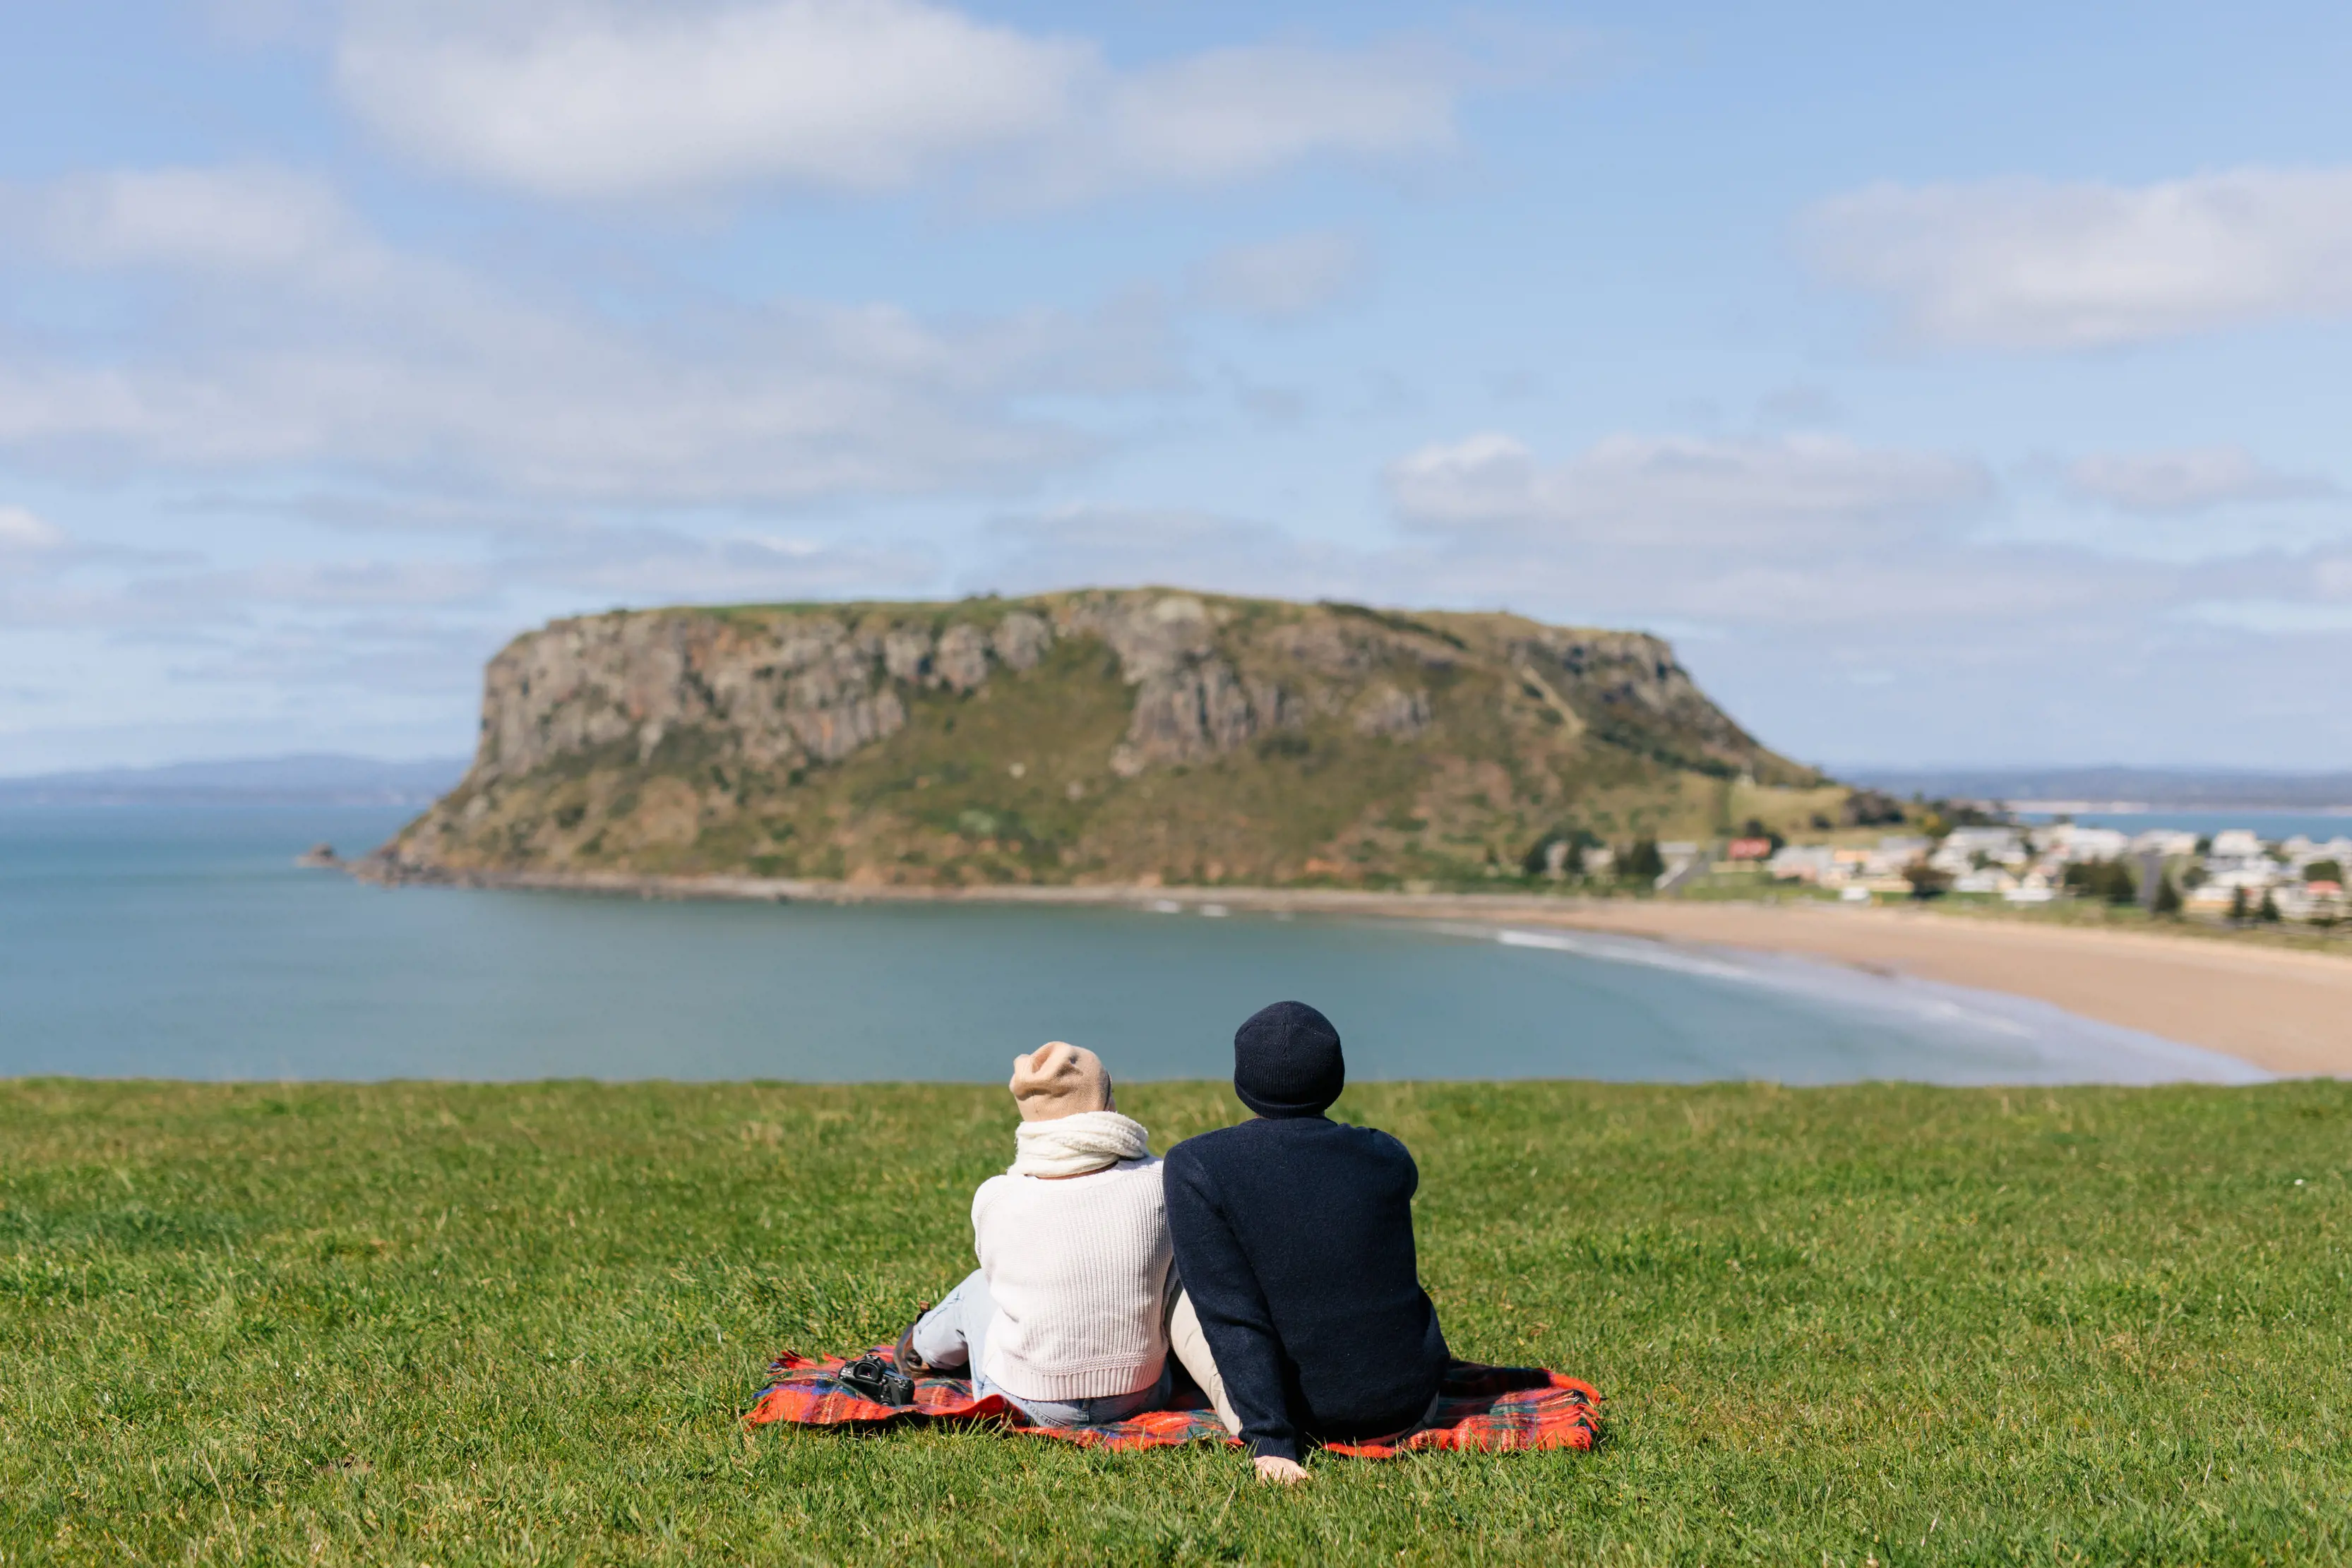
x=995, y=1188
x=1217, y=1138
x=1202, y=1149
x=1387, y=1145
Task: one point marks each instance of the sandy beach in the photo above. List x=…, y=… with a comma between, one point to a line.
x=2285, y=1011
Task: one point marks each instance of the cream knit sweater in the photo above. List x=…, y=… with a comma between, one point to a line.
x=1078, y=1268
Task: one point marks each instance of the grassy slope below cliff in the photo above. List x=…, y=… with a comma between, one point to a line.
x=1268, y=743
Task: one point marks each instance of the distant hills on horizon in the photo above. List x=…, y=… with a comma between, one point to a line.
x=308, y=779
x=2180, y=789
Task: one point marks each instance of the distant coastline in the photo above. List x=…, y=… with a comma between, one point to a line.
x=2077, y=790
x=310, y=779
x=2154, y=808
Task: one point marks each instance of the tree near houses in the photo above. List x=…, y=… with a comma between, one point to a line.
x=1870, y=808
x=1642, y=863
x=1926, y=880
x=1558, y=853
x=2110, y=880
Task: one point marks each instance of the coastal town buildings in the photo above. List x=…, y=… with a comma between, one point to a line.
x=2235, y=873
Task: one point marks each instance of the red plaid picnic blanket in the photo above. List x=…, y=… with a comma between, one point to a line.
x=1478, y=1406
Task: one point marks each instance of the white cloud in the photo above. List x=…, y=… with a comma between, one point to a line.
x=583, y=100
x=165, y=605
x=591, y=98
x=649, y=565
x=407, y=513
x=1887, y=585
x=2027, y=264
x=1781, y=493
x=316, y=344
x=1235, y=113
x=632, y=565
x=1104, y=545
x=384, y=660
x=467, y=595
x=23, y=532
x=322, y=585
x=1291, y=277
x=2271, y=617
x=235, y=219
x=2194, y=480
x=1897, y=598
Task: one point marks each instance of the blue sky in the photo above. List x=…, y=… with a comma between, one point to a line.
x=1954, y=387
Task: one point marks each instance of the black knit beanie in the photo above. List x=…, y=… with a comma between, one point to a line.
x=1287, y=1061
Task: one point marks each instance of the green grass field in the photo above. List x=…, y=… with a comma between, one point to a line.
x=486, y=1324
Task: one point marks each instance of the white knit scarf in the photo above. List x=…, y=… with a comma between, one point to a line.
x=1076, y=1145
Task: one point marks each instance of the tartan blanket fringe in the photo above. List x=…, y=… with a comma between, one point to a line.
x=1479, y=1407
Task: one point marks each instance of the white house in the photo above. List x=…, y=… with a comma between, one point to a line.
x=1993, y=843
x=2077, y=843
x=2254, y=875
x=2164, y=842
x=1893, y=852
x=1803, y=862
x=2300, y=852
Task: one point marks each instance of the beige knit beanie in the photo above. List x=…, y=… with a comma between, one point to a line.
x=1059, y=1080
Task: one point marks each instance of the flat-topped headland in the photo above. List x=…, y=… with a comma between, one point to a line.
x=1109, y=738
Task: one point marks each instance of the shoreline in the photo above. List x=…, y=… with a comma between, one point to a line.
x=2288, y=1012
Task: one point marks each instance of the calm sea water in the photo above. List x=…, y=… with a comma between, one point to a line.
x=185, y=944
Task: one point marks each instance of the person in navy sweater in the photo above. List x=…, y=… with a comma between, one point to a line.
x=1294, y=1237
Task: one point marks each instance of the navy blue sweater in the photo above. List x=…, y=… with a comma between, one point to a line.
x=1294, y=1236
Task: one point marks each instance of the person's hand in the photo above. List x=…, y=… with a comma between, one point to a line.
x=1284, y=1472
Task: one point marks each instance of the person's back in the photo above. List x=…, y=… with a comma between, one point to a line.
x=1066, y=1315
x=1077, y=1270
x=1294, y=1239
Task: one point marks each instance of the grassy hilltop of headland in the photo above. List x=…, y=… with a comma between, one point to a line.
x=1097, y=737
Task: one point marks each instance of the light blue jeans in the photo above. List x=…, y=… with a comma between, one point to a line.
x=955, y=1334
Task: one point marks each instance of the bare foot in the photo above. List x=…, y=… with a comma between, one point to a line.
x=1275, y=1467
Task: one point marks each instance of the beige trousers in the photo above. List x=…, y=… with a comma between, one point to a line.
x=1192, y=1348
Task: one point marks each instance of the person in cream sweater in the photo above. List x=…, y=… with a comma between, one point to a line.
x=1067, y=1314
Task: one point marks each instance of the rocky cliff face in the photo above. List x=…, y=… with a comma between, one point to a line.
x=1099, y=735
